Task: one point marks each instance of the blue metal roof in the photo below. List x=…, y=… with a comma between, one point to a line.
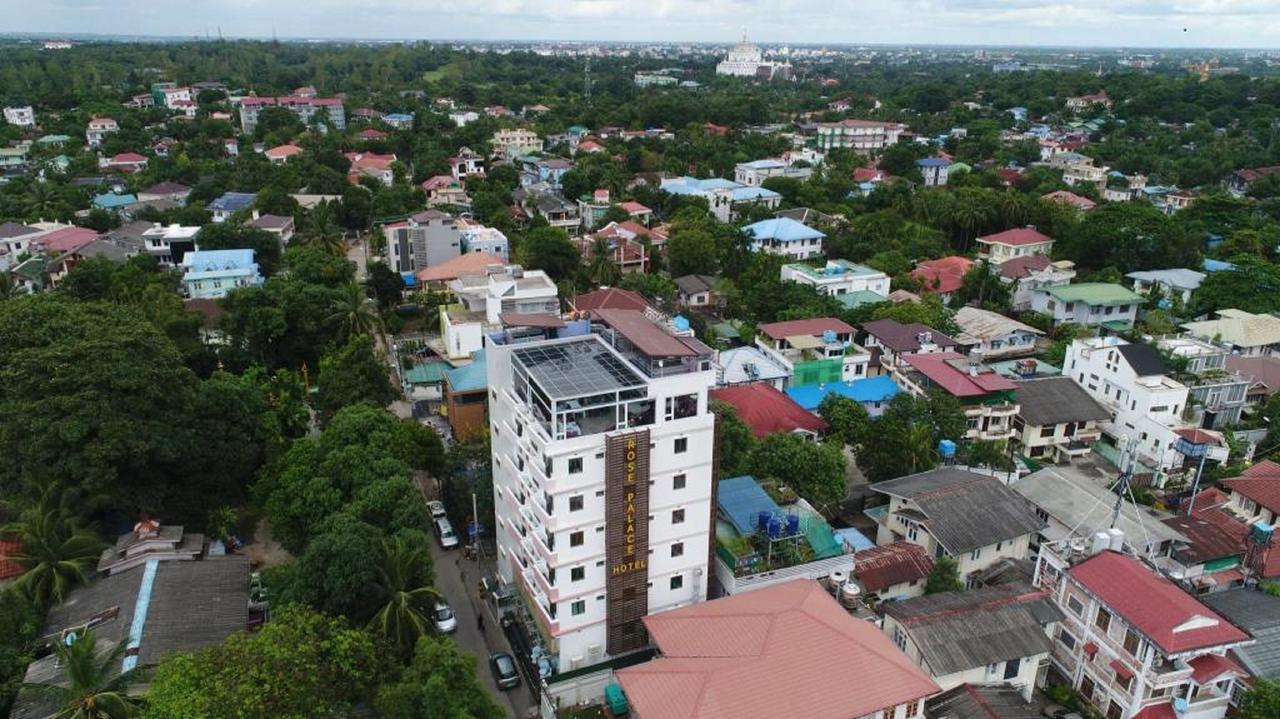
x=1217, y=265
x=111, y=201
x=741, y=500
x=233, y=201
x=855, y=539
x=469, y=378
x=215, y=260
x=933, y=162
x=782, y=229
x=871, y=389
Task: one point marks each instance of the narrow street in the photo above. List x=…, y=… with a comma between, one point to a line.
x=457, y=579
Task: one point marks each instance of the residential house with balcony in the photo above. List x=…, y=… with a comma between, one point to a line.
x=542, y=171
x=726, y=198
x=992, y=636
x=98, y=129
x=749, y=365
x=994, y=335
x=754, y=173
x=989, y=400
x=466, y=163
x=887, y=340
x=1031, y=273
x=892, y=571
x=556, y=210
x=1135, y=645
x=169, y=244
x=1243, y=333
x=838, y=277
x=866, y=136
x=973, y=518
x=1010, y=244
x=1216, y=394
x=482, y=297
x=814, y=351
x=935, y=170
x=444, y=190
x=1255, y=495
x=1147, y=405
x=509, y=144
x=212, y=274
x=574, y=421
x=786, y=237
x=760, y=543
x=1092, y=304
x=1057, y=420
x=1179, y=283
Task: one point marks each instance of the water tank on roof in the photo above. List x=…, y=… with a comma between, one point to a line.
x=1101, y=542
x=835, y=580
x=829, y=336
x=835, y=270
x=793, y=525
x=1116, y=536
x=775, y=528
x=1261, y=533
x=762, y=521
x=849, y=594
x=1180, y=705
x=680, y=322
x=947, y=448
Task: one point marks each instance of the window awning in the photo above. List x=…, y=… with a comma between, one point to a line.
x=1090, y=649
x=1122, y=672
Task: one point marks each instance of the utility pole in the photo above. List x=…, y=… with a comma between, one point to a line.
x=475, y=522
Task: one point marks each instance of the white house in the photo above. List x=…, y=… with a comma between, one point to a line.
x=838, y=277
x=754, y=173
x=511, y=143
x=726, y=198
x=169, y=243
x=814, y=351
x=860, y=135
x=1088, y=303
x=483, y=297
x=602, y=480
x=1180, y=283
x=935, y=171
x=98, y=129
x=994, y=335
x=1244, y=333
x=1019, y=242
x=786, y=237
x=22, y=116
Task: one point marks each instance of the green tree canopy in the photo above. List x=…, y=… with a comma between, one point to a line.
x=440, y=682
x=815, y=470
x=945, y=577
x=735, y=440
x=352, y=374
x=549, y=249
x=1253, y=286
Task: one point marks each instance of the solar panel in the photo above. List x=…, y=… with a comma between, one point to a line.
x=574, y=369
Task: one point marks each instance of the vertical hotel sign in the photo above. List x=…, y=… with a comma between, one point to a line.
x=627, y=539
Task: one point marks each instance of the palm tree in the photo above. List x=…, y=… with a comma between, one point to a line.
x=44, y=203
x=603, y=270
x=918, y=447
x=93, y=686
x=322, y=229
x=56, y=552
x=354, y=312
x=1014, y=210
x=403, y=617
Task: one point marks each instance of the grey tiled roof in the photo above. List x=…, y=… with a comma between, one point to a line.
x=981, y=702
x=1057, y=400
x=1259, y=614
x=963, y=510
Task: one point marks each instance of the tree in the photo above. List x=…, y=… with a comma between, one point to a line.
x=1130, y=236
x=929, y=311
x=385, y=284
x=300, y=665
x=945, y=577
x=550, y=250
x=56, y=554
x=692, y=252
x=20, y=625
x=404, y=585
x=815, y=470
x=983, y=288
x=352, y=374
x=95, y=688
x=602, y=269
x=354, y=313
x=439, y=682
x=1262, y=701
x=907, y=435
x=337, y=570
x=847, y=420
x=319, y=265
x=734, y=438
x=1253, y=286
x=320, y=228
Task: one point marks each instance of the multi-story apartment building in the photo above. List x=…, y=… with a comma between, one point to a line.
x=989, y=400
x=1146, y=404
x=814, y=351
x=838, y=277
x=727, y=199
x=860, y=135
x=423, y=240
x=974, y=518
x=511, y=143
x=22, y=116
x=602, y=475
x=1134, y=644
x=306, y=108
x=1216, y=394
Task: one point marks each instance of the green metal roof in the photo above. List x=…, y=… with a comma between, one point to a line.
x=432, y=373
x=1095, y=293
x=725, y=330
x=858, y=298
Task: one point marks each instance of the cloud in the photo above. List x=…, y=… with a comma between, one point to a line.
x=1220, y=23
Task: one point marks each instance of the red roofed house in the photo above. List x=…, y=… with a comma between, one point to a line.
x=66, y=239
x=1255, y=494
x=610, y=298
x=713, y=129
x=129, y=162
x=445, y=190
x=942, y=276
x=466, y=163
x=369, y=164
x=590, y=147
x=371, y=134
x=766, y=410
x=625, y=249
x=1083, y=102
x=1030, y=273
x=637, y=211
x=990, y=400
x=814, y=351
x=1077, y=201
x=9, y=569
x=1238, y=182
x=282, y=154
x=785, y=650
x=1018, y=242
x=892, y=570
x=467, y=263
x=1133, y=642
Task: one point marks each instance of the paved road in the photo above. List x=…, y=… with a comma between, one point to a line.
x=450, y=569
x=356, y=253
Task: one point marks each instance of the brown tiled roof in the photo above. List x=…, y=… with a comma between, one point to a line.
x=879, y=568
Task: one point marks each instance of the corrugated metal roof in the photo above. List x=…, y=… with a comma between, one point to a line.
x=964, y=510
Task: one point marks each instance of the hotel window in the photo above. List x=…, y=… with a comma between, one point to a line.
x=682, y=445
x=575, y=503
x=678, y=481
x=575, y=465
x=576, y=539
x=578, y=608
x=1066, y=639
x=1075, y=605
x=677, y=549
x=1131, y=642
x=1103, y=620
x=913, y=710
x=975, y=554
x=577, y=574
x=677, y=516
x=677, y=581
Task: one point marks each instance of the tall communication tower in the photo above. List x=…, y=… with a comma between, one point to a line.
x=586, y=80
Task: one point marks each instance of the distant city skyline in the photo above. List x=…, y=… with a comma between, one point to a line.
x=1096, y=23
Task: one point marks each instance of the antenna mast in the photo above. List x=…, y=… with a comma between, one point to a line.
x=586, y=80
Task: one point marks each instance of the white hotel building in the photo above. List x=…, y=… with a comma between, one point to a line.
x=602, y=472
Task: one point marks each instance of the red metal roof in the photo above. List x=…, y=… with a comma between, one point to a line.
x=943, y=275
x=1174, y=620
x=957, y=382
x=1017, y=237
x=67, y=239
x=1157, y=711
x=650, y=339
x=767, y=410
x=472, y=263
x=610, y=298
x=1261, y=483
x=1020, y=267
x=1121, y=670
x=126, y=158
x=811, y=328
x=788, y=646
x=9, y=568
x=1208, y=667
x=881, y=567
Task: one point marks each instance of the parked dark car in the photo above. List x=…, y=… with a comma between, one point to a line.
x=504, y=670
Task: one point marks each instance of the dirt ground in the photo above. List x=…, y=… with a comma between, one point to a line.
x=263, y=550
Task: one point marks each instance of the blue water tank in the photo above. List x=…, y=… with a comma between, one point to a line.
x=681, y=322
x=1180, y=705
x=829, y=336
x=1260, y=532
x=762, y=521
x=793, y=525
x=946, y=448
x=775, y=528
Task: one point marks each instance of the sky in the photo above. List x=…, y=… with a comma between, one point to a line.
x=1123, y=23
